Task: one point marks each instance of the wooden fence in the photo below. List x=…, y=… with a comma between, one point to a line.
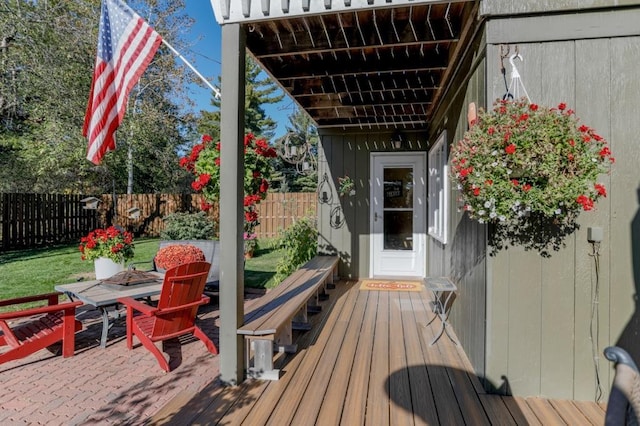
x=33, y=220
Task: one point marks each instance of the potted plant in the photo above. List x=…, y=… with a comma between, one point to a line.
x=109, y=249
x=346, y=186
x=173, y=255
x=194, y=229
x=250, y=244
x=522, y=167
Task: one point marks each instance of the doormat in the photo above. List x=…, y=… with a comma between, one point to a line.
x=390, y=285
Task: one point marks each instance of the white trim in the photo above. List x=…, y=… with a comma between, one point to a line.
x=416, y=257
x=235, y=11
x=438, y=188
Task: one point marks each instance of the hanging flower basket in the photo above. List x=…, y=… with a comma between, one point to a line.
x=522, y=163
x=346, y=186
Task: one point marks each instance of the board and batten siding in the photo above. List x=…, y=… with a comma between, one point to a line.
x=540, y=312
x=511, y=7
x=463, y=258
x=348, y=154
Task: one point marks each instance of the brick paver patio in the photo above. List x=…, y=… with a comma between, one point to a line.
x=104, y=386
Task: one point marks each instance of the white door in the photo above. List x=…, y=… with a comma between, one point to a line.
x=398, y=214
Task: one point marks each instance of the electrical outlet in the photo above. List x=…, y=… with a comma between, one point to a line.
x=594, y=234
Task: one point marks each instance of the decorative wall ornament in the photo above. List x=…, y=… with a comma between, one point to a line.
x=300, y=153
x=325, y=192
x=336, y=218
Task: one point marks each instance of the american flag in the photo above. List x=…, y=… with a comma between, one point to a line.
x=126, y=45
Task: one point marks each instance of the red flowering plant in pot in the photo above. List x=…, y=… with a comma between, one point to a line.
x=110, y=243
x=204, y=162
x=528, y=171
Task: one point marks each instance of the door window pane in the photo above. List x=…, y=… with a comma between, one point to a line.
x=398, y=208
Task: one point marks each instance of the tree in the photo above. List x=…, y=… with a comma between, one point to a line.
x=47, y=54
x=259, y=90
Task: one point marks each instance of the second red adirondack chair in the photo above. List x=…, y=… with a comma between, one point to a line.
x=175, y=314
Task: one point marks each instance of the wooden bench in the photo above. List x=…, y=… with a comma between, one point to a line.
x=270, y=321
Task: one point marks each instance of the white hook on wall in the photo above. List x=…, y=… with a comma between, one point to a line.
x=516, y=87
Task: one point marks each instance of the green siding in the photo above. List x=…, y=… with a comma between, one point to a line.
x=349, y=154
x=513, y=7
x=540, y=310
x=464, y=257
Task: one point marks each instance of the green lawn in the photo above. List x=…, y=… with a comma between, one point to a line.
x=29, y=272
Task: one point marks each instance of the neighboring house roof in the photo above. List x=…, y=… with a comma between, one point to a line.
x=358, y=63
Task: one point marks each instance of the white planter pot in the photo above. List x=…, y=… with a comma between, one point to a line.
x=106, y=268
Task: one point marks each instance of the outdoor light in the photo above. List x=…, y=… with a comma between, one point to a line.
x=397, y=140
x=298, y=151
x=325, y=194
x=336, y=219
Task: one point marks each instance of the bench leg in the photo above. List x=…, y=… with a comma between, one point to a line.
x=330, y=284
x=263, y=361
x=284, y=340
x=300, y=321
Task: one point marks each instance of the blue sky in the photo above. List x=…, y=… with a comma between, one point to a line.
x=206, y=54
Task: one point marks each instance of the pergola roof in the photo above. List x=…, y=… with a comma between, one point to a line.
x=358, y=63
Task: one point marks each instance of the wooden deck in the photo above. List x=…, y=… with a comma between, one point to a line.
x=368, y=361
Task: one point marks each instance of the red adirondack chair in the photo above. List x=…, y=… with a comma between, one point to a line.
x=176, y=311
x=29, y=330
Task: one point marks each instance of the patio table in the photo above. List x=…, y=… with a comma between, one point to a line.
x=102, y=295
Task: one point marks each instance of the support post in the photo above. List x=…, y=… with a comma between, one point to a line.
x=231, y=206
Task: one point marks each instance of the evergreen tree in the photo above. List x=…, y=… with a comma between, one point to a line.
x=259, y=91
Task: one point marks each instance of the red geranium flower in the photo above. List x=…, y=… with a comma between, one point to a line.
x=510, y=149
x=601, y=189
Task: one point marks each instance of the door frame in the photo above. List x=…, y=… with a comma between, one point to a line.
x=420, y=237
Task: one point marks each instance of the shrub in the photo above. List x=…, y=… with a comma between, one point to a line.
x=300, y=244
x=188, y=226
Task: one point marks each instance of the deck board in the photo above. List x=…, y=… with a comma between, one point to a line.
x=308, y=409
x=445, y=400
x=356, y=397
x=377, y=406
x=422, y=395
x=284, y=411
x=333, y=402
x=521, y=411
x=400, y=408
x=368, y=360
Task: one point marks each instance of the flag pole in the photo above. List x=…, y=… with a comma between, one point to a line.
x=215, y=90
